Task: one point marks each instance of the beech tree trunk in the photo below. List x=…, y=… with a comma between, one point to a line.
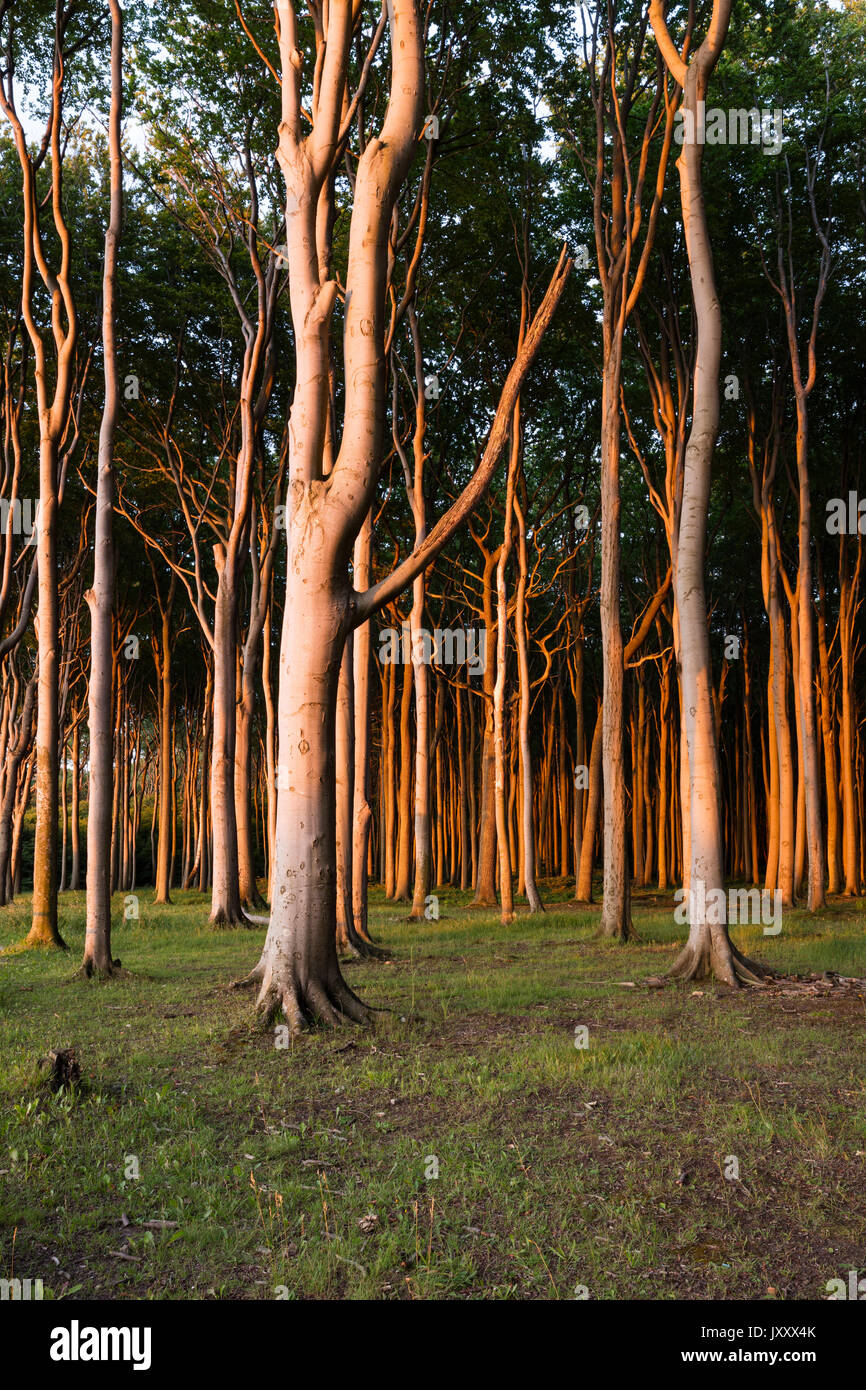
x=530, y=886
x=485, y=880
x=97, y=940
x=709, y=949
x=583, y=892
x=615, y=910
x=362, y=813
x=299, y=971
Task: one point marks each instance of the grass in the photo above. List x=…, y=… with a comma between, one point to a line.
x=199, y=1159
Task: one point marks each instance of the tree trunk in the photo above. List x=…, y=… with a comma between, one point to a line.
x=616, y=911
x=583, y=893
x=530, y=886
x=97, y=941
x=709, y=949
x=362, y=814
x=485, y=883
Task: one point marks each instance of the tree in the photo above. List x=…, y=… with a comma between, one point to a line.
x=709, y=949
x=298, y=971
x=100, y=599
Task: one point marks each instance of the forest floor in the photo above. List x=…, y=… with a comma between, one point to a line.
x=306, y=1171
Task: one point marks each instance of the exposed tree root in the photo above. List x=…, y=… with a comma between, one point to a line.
x=90, y=970
x=623, y=933
x=752, y=972
x=226, y=920
x=255, y=977
x=328, y=1005
x=359, y=949
x=353, y=944
x=253, y=904
x=703, y=960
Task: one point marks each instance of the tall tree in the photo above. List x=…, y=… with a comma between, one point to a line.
x=709, y=949
x=100, y=598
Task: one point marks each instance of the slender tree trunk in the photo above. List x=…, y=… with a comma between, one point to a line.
x=402, y=888
x=593, y=808
x=97, y=941
x=709, y=949
x=506, y=887
x=344, y=763
x=389, y=699
x=528, y=829
x=362, y=814
x=270, y=746
x=828, y=734
x=75, y=871
x=616, y=911
x=225, y=896
x=485, y=881
x=163, y=668
x=465, y=772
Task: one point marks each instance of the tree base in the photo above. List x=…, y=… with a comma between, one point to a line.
x=327, y=1004
x=355, y=944
x=31, y=943
x=227, y=919
x=621, y=931
x=253, y=903
x=704, y=960
x=94, y=970
x=359, y=949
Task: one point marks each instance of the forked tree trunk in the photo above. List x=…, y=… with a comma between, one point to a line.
x=299, y=972
x=53, y=414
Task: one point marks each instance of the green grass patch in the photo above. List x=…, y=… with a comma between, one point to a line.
x=200, y=1160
